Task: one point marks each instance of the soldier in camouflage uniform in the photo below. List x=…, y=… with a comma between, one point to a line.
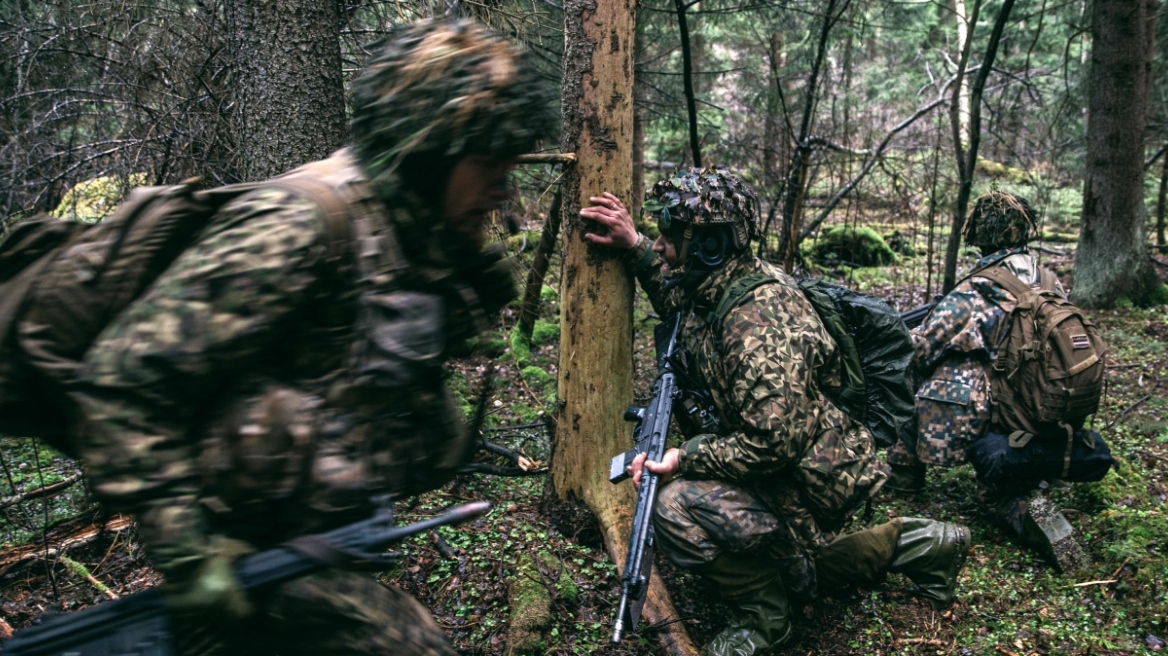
x=759, y=504
x=955, y=348
x=264, y=388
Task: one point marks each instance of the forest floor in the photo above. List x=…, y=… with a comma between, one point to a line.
x=1011, y=602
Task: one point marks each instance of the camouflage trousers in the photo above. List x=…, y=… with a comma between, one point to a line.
x=332, y=612
x=697, y=521
x=952, y=412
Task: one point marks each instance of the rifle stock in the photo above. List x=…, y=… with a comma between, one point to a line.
x=917, y=315
x=649, y=434
x=139, y=624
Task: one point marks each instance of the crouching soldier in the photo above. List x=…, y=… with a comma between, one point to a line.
x=759, y=505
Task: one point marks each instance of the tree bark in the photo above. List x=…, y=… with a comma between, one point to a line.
x=1112, y=262
x=595, y=384
x=1162, y=204
x=289, y=99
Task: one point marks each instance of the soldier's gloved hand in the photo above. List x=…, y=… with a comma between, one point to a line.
x=493, y=278
x=211, y=587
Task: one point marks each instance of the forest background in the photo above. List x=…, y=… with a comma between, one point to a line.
x=866, y=126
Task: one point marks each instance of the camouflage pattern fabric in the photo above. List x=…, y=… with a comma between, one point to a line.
x=332, y=612
x=954, y=351
x=784, y=445
x=256, y=392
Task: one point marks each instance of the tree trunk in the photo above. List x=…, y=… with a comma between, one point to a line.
x=687, y=81
x=595, y=384
x=289, y=99
x=1161, y=203
x=529, y=310
x=1112, y=261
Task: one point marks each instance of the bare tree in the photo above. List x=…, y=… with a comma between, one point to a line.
x=595, y=383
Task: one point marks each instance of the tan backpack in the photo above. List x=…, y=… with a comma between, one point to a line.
x=1049, y=373
x=62, y=282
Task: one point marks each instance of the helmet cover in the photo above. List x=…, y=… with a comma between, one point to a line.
x=447, y=87
x=999, y=220
x=705, y=197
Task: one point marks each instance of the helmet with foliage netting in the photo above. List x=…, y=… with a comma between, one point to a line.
x=447, y=88
x=712, y=196
x=999, y=220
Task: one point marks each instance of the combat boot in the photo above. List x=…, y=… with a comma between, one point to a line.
x=760, y=613
x=931, y=554
x=1047, y=530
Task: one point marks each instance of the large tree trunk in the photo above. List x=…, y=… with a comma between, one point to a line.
x=289, y=99
x=1112, y=261
x=595, y=384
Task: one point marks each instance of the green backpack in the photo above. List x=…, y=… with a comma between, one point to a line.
x=62, y=282
x=875, y=350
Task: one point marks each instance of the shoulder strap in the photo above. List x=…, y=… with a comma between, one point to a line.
x=330, y=200
x=1004, y=278
x=732, y=297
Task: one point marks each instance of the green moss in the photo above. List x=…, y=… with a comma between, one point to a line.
x=1123, y=303
x=520, y=347
x=1159, y=297
x=859, y=246
x=92, y=200
x=530, y=604
x=547, y=293
x=536, y=376
x=545, y=332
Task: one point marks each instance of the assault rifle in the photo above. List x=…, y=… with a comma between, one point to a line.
x=139, y=624
x=917, y=315
x=649, y=435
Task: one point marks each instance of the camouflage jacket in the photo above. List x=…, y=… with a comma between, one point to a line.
x=781, y=436
x=954, y=350
x=260, y=390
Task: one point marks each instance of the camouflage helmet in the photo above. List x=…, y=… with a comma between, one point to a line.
x=999, y=220
x=447, y=88
x=697, y=198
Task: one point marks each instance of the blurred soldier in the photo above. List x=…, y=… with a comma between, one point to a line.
x=759, y=504
x=265, y=387
x=955, y=349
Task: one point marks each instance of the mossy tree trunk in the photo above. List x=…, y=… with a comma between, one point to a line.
x=1112, y=260
x=595, y=384
x=289, y=98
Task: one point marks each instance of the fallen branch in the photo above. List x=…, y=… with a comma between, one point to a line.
x=922, y=641
x=44, y=491
x=60, y=541
x=547, y=158
x=83, y=571
x=1005, y=651
x=1103, y=582
x=1125, y=411
x=1115, y=574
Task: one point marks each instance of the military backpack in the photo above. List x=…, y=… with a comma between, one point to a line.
x=875, y=350
x=1048, y=377
x=62, y=282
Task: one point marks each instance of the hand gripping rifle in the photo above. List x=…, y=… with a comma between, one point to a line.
x=649, y=437
x=139, y=624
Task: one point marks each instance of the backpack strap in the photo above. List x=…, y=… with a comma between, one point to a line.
x=733, y=295
x=331, y=201
x=1004, y=278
